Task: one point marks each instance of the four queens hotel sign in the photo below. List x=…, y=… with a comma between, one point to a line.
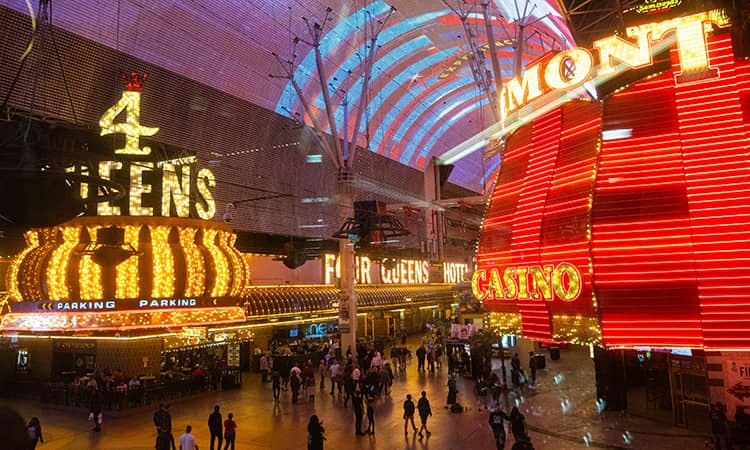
x=571, y=68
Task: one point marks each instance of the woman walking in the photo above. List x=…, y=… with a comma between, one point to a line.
x=34, y=433
x=315, y=432
x=230, y=431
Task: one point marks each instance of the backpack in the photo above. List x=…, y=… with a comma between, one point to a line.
x=457, y=408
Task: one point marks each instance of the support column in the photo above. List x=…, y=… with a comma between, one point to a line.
x=347, y=297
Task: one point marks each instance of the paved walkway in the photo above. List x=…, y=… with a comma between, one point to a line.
x=561, y=414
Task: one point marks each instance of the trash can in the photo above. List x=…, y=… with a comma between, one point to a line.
x=541, y=361
x=554, y=353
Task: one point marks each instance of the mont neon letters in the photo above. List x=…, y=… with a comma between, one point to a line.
x=563, y=282
x=570, y=68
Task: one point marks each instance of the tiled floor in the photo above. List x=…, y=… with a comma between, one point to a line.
x=568, y=382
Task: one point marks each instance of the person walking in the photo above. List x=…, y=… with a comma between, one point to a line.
x=323, y=372
x=421, y=353
x=263, y=366
x=518, y=425
x=409, y=414
x=34, y=433
x=295, y=380
x=187, y=440
x=452, y=391
x=168, y=425
x=95, y=411
x=333, y=372
x=423, y=406
x=741, y=428
x=315, y=432
x=498, y=427
x=162, y=440
x=357, y=405
x=532, y=367
x=719, y=426
x=230, y=431
x=371, y=415
x=214, y=426
x=276, y=384
x=159, y=418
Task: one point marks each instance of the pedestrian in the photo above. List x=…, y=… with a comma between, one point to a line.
x=323, y=371
x=431, y=359
x=532, y=367
x=333, y=372
x=421, y=353
x=162, y=440
x=159, y=418
x=276, y=384
x=263, y=366
x=742, y=428
x=719, y=428
x=95, y=411
x=370, y=415
x=34, y=433
x=187, y=440
x=357, y=406
x=295, y=380
x=214, y=426
x=315, y=432
x=168, y=425
x=409, y=414
x=452, y=390
x=498, y=427
x=348, y=386
x=230, y=431
x=518, y=425
x=423, y=406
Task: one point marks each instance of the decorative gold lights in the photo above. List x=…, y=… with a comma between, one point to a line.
x=577, y=330
x=209, y=266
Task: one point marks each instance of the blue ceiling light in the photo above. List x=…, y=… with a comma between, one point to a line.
x=427, y=126
x=428, y=121
x=390, y=59
x=331, y=40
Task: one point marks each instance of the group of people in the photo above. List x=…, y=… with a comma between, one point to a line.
x=517, y=428
x=165, y=439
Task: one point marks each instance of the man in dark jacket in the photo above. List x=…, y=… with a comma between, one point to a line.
x=421, y=353
x=214, y=426
x=498, y=427
x=357, y=405
x=423, y=406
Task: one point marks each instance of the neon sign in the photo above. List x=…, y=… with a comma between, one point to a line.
x=547, y=282
x=161, y=188
x=394, y=271
x=572, y=67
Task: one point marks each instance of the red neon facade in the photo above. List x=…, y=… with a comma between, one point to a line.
x=657, y=219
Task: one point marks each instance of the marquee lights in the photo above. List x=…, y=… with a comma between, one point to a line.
x=120, y=320
x=572, y=67
x=654, y=215
x=151, y=273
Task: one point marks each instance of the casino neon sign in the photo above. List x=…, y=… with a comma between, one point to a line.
x=543, y=283
x=571, y=68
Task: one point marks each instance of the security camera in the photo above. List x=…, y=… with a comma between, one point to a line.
x=229, y=212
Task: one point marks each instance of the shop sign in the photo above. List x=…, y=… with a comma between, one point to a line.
x=74, y=346
x=199, y=332
x=737, y=384
x=153, y=188
x=320, y=330
x=118, y=305
x=548, y=282
x=233, y=355
x=571, y=68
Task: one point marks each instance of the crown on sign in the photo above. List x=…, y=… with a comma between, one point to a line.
x=133, y=81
